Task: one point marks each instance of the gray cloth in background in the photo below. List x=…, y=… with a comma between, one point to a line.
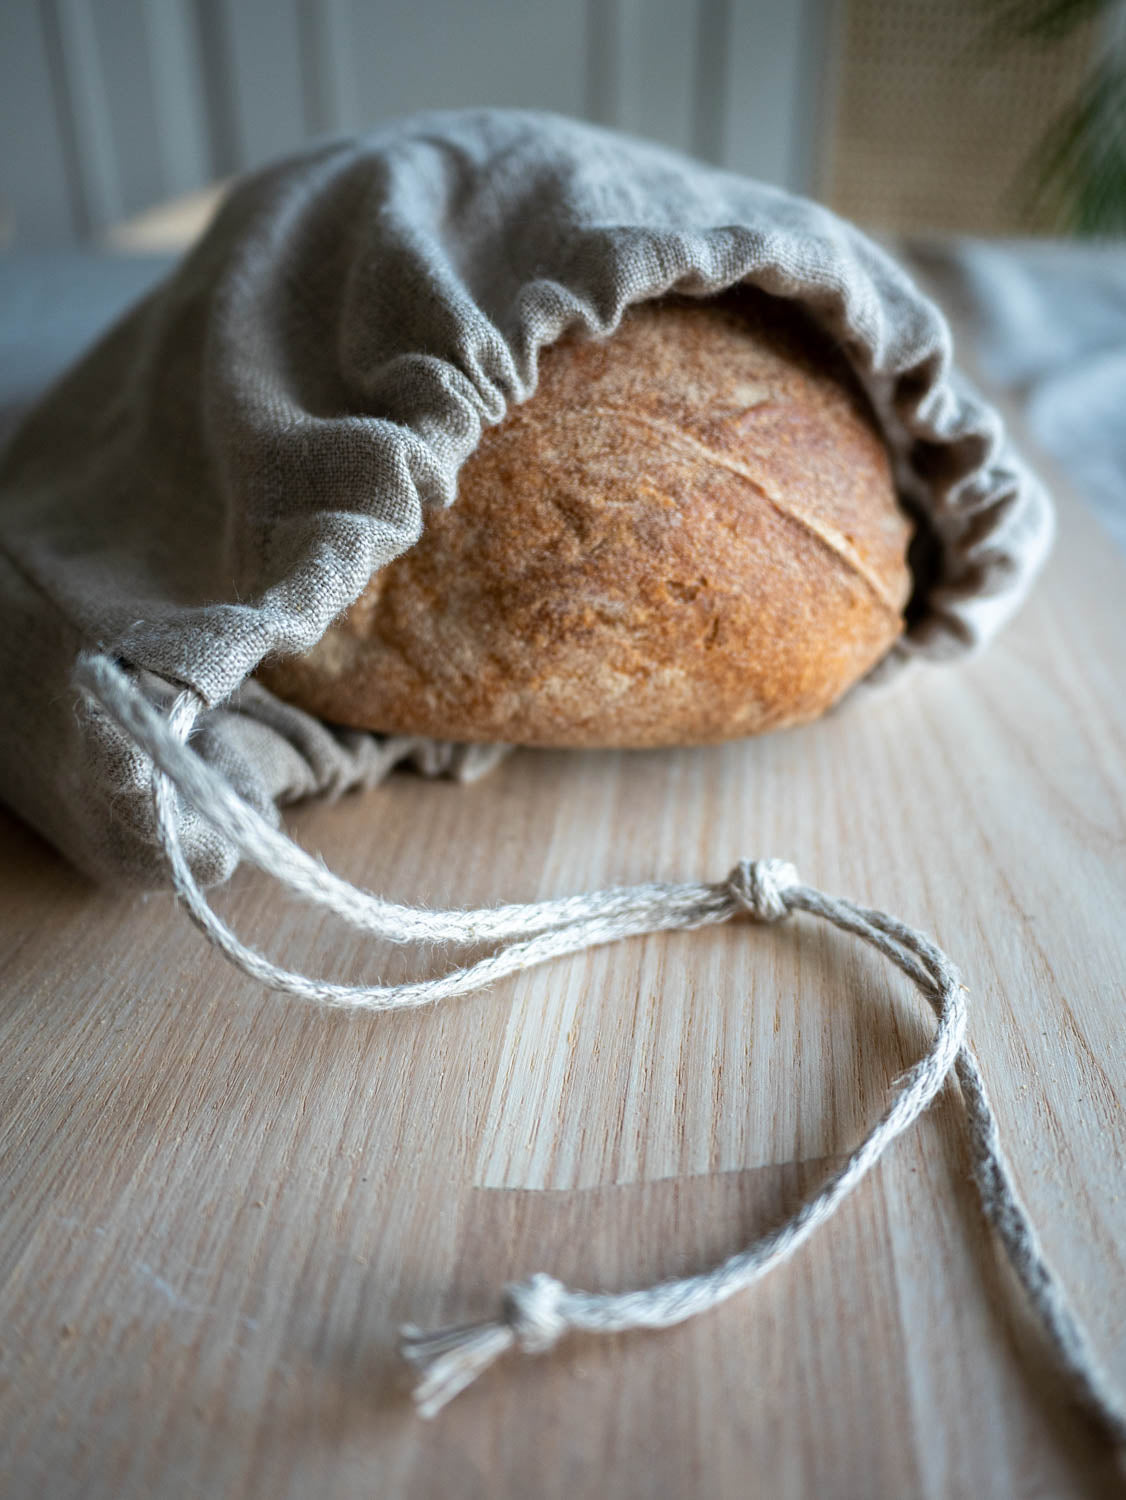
x=1049, y=319
x=221, y=475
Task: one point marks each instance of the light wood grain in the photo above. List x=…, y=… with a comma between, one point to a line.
x=219, y=1204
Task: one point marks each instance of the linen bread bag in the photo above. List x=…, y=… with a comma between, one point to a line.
x=221, y=477
x=231, y=467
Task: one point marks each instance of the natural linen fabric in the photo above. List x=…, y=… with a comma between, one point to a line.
x=221, y=476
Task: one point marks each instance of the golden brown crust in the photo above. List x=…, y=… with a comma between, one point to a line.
x=688, y=534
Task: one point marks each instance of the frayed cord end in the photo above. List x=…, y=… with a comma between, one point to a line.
x=532, y=1317
x=450, y=1359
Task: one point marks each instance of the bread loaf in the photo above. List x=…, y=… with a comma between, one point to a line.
x=688, y=533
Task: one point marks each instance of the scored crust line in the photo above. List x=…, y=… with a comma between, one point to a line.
x=828, y=536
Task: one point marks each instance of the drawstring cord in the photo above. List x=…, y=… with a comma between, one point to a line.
x=534, y=1314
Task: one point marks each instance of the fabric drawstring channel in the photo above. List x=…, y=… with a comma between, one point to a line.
x=534, y=1314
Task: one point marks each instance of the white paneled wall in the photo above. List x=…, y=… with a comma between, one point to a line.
x=108, y=106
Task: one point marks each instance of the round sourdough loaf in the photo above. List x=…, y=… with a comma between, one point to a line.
x=688, y=533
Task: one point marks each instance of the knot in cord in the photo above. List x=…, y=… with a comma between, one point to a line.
x=533, y=1310
x=760, y=885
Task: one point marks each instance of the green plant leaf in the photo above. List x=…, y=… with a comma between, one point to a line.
x=1076, y=175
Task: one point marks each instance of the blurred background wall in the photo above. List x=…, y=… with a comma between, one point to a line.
x=888, y=109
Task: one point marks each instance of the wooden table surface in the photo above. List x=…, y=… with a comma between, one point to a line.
x=219, y=1204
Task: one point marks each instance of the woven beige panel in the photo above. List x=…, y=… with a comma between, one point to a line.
x=929, y=130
